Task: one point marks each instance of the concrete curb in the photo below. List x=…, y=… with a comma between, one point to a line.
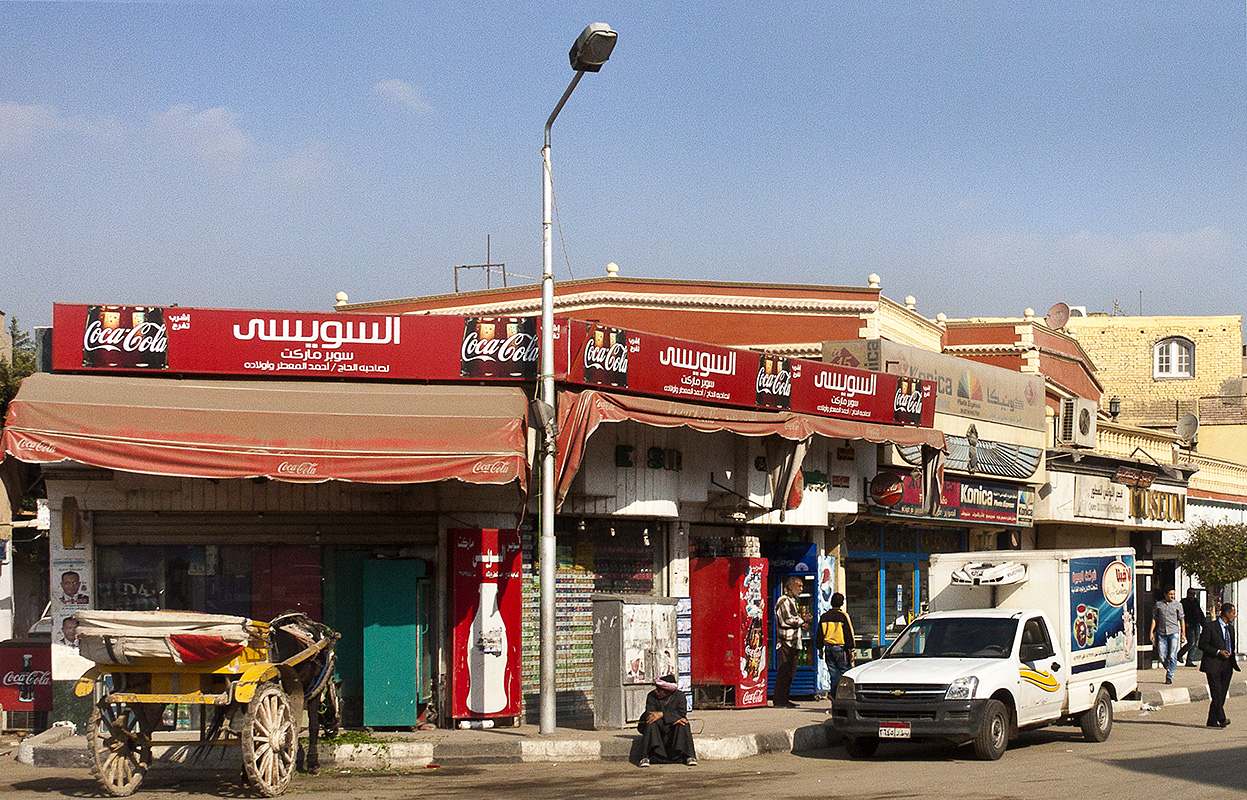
x=58, y=747
x=62, y=749
x=1174, y=696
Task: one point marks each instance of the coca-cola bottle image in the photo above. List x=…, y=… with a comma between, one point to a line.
x=26, y=680
x=606, y=356
x=907, y=407
x=499, y=347
x=125, y=337
x=753, y=649
x=774, y=383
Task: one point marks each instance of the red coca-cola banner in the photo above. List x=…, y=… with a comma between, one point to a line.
x=650, y=364
x=486, y=587
x=287, y=344
x=25, y=676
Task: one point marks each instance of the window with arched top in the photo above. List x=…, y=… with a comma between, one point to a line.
x=1173, y=358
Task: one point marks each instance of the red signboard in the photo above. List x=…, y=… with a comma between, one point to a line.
x=288, y=344
x=660, y=366
x=486, y=585
x=25, y=676
x=966, y=500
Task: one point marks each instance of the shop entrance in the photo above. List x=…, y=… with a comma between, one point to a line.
x=886, y=577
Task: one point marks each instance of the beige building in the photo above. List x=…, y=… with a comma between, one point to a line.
x=1159, y=367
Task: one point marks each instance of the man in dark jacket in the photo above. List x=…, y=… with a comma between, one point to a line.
x=1193, y=618
x=834, y=638
x=665, y=734
x=1219, y=662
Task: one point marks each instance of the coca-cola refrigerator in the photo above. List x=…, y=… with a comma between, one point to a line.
x=729, y=631
x=486, y=602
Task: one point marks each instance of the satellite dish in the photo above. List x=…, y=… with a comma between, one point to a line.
x=1057, y=316
x=1188, y=426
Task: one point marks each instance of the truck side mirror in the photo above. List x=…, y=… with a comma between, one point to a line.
x=1034, y=652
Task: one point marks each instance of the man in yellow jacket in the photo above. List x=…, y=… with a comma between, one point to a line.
x=834, y=639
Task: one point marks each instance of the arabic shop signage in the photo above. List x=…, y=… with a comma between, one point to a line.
x=1099, y=497
x=284, y=344
x=661, y=366
x=966, y=501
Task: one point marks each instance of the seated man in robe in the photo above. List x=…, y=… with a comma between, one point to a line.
x=665, y=734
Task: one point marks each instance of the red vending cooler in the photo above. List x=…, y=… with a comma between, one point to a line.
x=729, y=631
x=486, y=657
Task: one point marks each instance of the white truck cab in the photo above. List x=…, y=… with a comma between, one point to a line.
x=1022, y=639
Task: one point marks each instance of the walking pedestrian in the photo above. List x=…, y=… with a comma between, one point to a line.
x=1193, y=615
x=1167, y=632
x=1219, y=662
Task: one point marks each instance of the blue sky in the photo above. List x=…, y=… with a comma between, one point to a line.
x=984, y=157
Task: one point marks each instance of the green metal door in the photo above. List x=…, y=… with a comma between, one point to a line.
x=393, y=634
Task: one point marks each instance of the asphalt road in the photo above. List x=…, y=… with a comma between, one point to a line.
x=1165, y=753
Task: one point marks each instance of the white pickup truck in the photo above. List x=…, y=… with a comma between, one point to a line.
x=1016, y=640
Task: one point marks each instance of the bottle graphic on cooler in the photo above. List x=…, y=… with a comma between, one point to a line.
x=26, y=678
x=487, y=654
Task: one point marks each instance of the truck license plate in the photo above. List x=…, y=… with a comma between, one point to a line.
x=893, y=730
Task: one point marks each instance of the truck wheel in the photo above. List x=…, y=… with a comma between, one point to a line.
x=993, y=735
x=1097, y=721
x=861, y=746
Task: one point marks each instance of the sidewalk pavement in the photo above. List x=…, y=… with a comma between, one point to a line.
x=720, y=734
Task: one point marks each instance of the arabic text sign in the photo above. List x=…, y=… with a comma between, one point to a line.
x=286, y=344
x=968, y=501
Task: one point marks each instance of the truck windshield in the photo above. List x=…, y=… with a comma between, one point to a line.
x=955, y=638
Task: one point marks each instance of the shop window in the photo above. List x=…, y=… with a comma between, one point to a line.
x=1173, y=358
x=898, y=540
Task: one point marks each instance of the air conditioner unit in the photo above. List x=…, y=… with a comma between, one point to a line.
x=1076, y=425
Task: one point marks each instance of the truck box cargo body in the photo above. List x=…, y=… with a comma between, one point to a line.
x=1015, y=639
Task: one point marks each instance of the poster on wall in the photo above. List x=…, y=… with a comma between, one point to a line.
x=71, y=592
x=486, y=589
x=752, y=688
x=1102, y=612
x=822, y=604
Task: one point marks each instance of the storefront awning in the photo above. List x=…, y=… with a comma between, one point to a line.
x=288, y=431
x=580, y=414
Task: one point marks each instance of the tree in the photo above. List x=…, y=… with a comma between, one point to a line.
x=23, y=364
x=1216, y=553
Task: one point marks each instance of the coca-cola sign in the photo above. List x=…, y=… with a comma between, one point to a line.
x=304, y=468
x=773, y=386
x=499, y=347
x=25, y=676
x=125, y=337
x=605, y=358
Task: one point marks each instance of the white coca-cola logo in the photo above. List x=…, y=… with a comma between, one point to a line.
x=35, y=447
x=304, y=468
x=910, y=403
x=149, y=337
x=36, y=677
x=490, y=468
x=775, y=383
x=613, y=358
x=516, y=348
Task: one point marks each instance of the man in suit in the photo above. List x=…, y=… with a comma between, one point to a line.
x=1219, y=664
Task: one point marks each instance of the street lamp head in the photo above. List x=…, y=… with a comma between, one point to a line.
x=593, y=47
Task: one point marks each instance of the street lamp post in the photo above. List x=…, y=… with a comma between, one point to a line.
x=591, y=50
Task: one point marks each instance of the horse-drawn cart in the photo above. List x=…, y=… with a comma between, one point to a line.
x=251, y=678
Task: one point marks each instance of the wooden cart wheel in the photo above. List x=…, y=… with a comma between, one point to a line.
x=269, y=740
x=121, y=746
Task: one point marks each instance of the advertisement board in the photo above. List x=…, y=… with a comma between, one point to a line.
x=486, y=585
x=185, y=341
x=1102, y=612
x=25, y=676
x=966, y=500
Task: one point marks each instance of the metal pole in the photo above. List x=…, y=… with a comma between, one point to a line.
x=546, y=575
